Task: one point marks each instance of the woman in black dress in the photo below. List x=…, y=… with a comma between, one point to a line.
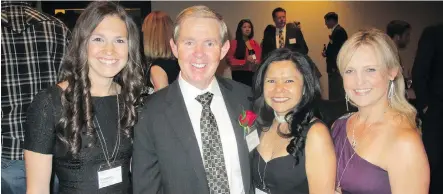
x=163, y=68
x=81, y=128
x=296, y=153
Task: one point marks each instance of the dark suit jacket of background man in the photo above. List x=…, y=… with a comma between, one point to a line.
x=270, y=43
x=169, y=160
x=337, y=39
x=428, y=86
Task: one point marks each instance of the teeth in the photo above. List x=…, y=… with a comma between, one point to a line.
x=108, y=61
x=280, y=99
x=363, y=90
x=198, y=65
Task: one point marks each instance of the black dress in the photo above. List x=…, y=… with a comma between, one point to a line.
x=170, y=66
x=281, y=175
x=78, y=175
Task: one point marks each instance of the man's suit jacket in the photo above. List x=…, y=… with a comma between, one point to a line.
x=269, y=40
x=428, y=68
x=166, y=157
x=336, y=40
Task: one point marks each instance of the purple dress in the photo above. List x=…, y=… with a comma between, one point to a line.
x=360, y=176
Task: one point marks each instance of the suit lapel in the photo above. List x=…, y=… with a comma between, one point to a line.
x=233, y=105
x=178, y=118
x=273, y=38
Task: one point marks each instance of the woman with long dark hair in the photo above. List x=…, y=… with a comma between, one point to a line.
x=296, y=153
x=244, y=54
x=81, y=129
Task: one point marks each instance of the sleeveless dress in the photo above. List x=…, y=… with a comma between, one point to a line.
x=359, y=176
x=281, y=175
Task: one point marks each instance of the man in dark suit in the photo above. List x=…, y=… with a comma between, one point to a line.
x=188, y=139
x=283, y=35
x=428, y=86
x=336, y=39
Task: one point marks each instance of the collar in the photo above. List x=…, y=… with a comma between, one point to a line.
x=333, y=28
x=278, y=29
x=190, y=92
x=21, y=15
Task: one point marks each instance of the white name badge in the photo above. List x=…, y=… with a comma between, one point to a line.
x=292, y=41
x=254, y=57
x=252, y=140
x=109, y=177
x=258, y=191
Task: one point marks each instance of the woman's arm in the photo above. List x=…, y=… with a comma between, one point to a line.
x=39, y=141
x=232, y=60
x=408, y=166
x=257, y=50
x=159, y=78
x=320, y=160
x=38, y=172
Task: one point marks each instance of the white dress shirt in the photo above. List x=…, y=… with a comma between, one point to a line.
x=277, y=37
x=227, y=135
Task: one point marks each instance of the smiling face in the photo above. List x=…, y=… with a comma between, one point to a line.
x=108, y=48
x=283, y=86
x=365, y=80
x=199, y=50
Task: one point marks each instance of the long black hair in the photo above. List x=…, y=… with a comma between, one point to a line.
x=77, y=111
x=241, y=45
x=300, y=116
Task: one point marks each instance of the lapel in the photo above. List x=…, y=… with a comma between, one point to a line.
x=274, y=40
x=178, y=118
x=234, y=107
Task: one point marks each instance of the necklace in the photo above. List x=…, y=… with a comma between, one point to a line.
x=354, y=139
x=353, y=145
x=103, y=143
x=262, y=179
x=279, y=119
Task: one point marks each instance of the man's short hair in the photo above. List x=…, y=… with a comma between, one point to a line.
x=278, y=9
x=397, y=27
x=200, y=11
x=331, y=16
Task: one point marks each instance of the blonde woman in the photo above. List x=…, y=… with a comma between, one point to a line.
x=163, y=67
x=379, y=148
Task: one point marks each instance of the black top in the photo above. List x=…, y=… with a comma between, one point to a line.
x=282, y=175
x=170, y=66
x=77, y=175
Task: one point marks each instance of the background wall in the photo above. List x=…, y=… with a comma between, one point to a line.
x=352, y=16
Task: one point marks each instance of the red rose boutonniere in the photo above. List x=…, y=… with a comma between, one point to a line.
x=246, y=120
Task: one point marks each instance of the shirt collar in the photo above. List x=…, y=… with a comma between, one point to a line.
x=190, y=92
x=333, y=28
x=278, y=29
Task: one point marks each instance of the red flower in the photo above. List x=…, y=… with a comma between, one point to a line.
x=247, y=118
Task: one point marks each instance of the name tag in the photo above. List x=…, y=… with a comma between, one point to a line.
x=258, y=191
x=292, y=41
x=109, y=177
x=252, y=140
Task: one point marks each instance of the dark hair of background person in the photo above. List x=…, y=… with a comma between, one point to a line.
x=76, y=100
x=240, y=51
x=300, y=117
x=397, y=27
x=331, y=16
x=278, y=9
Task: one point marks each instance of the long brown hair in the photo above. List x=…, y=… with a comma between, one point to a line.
x=77, y=112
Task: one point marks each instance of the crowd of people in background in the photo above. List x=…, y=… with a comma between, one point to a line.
x=101, y=109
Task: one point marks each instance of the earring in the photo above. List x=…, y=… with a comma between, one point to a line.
x=391, y=92
x=347, y=102
x=304, y=90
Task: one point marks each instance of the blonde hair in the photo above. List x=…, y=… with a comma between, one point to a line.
x=200, y=11
x=387, y=55
x=157, y=31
